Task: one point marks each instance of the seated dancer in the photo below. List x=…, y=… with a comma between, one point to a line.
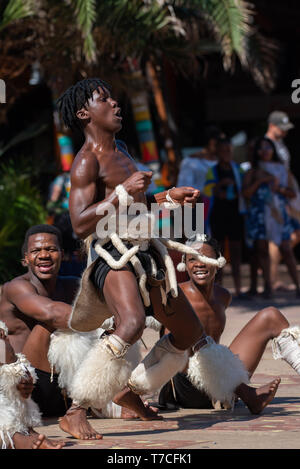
x=35, y=304
x=127, y=276
x=18, y=413
x=210, y=302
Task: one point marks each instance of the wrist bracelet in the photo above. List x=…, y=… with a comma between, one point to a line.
x=172, y=203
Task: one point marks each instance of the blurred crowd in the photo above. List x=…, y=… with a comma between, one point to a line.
x=251, y=208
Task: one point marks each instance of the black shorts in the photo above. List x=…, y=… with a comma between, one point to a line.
x=48, y=396
x=101, y=268
x=186, y=395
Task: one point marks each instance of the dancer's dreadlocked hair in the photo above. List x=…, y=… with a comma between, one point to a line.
x=76, y=97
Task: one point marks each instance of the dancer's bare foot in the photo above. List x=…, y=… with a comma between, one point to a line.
x=256, y=399
x=33, y=441
x=75, y=423
x=132, y=401
x=128, y=414
x=48, y=444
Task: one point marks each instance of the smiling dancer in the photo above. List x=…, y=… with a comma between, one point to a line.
x=210, y=302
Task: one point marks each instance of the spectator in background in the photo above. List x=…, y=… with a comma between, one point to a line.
x=225, y=220
x=266, y=188
x=194, y=167
x=279, y=125
x=59, y=192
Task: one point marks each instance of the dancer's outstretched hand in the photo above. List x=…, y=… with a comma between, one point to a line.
x=184, y=195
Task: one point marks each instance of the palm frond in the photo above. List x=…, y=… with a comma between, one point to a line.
x=85, y=14
x=230, y=21
x=261, y=60
x=16, y=10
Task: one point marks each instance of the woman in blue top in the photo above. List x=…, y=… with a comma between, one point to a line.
x=225, y=220
x=266, y=188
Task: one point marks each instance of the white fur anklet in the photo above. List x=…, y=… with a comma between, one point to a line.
x=16, y=413
x=159, y=366
x=102, y=374
x=217, y=371
x=287, y=347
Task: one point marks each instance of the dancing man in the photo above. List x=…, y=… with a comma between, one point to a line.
x=126, y=277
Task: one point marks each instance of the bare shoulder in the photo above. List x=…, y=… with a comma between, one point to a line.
x=85, y=168
x=17, y=286
x=223, y=295
x=184, y=285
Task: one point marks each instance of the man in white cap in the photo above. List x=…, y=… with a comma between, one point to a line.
x=278, y=126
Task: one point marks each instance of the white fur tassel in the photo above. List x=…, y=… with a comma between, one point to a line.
x=16, y=413
x=67, y=351
x=100, y=377
x=181, y=267
x=217, y=371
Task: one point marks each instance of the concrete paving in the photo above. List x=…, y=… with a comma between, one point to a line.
x=278, y=427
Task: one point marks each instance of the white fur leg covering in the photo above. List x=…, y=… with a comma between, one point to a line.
x=103, y=373
x=66, y=352
x=217, y=371
x=287, y=347
x=16, y=413
x=161, y=364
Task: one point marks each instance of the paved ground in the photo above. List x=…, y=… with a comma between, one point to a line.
x=278, y=427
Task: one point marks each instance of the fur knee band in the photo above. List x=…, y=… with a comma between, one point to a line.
x=287, y=347
x=217, y=371
x=102, y=374
x=16, y=413
x=160, y=365
x=67, y=351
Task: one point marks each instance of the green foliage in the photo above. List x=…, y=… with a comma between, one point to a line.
x=20, y=207
x=16, y=10
x=85, y=13
x=122, y=34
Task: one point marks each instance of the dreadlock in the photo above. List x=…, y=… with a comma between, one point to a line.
x=76, y=97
